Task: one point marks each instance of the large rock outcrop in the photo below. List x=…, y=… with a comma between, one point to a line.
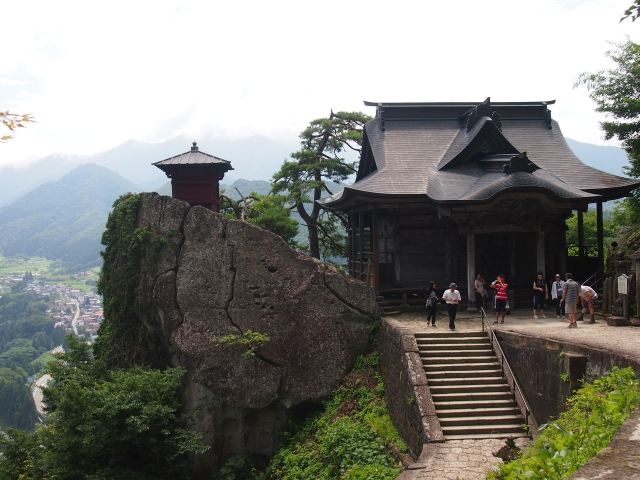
x=204, y=276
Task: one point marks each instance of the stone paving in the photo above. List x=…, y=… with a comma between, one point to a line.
x=462, y=460
x=471, y=459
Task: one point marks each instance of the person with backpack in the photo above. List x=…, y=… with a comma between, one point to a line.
x=432, y=303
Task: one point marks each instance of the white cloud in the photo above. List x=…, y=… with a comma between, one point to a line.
x=96, y=75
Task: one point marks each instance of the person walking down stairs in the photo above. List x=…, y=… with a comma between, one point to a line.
x=452, y=297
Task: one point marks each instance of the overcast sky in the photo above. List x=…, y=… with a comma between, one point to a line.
x=95, y=74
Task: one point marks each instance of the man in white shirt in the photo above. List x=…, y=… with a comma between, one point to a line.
x=587, y=296
x=452, y=297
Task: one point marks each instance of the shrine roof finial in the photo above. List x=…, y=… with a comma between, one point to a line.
x=194, y=148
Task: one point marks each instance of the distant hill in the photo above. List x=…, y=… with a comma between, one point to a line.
x=607, y=158
x=255, y=158
x=63, y=219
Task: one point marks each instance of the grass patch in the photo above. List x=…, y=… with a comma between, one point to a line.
x=595, y=414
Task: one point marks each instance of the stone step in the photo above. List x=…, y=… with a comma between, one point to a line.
x=464, y=361
x=523, y=434
x=457, y=353
x=454, y=346
x=391, y=313
x=482, y=429
x=451, y=341
x=388, y=309
x=470, y=396
x=486, y=421
x=442, y=374
x=379, y=298
x=469, y=389
x=383, y=303
x=470, y=404
x=460, y=366
x=450, y=334
x=478, y=412
x=462, y=381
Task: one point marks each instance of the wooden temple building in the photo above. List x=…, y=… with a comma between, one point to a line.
x=195, y=177
x=448, y=190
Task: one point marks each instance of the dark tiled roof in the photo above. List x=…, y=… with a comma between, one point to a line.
x=422, y=153
x=193, y=157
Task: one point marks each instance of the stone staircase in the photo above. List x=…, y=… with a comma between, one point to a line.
x=471, y=396
x=386, y=308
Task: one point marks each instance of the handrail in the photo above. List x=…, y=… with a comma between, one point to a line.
x=595, y=275
x=506, y=369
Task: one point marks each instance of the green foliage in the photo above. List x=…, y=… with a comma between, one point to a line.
x=123, y=341
x=612, y=222
x=595, y=413
x=104, y=424
x=616, y=93
x=250, y=340
x=350, y=439
x=632, y=12
x=305, y=177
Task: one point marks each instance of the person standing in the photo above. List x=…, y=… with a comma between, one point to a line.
x=500, y=287
x=452, y=297
x=481, y=293
x=556, y=295
x=540, y=294
x=432, y=303
x=588, y=295
x=570, y=295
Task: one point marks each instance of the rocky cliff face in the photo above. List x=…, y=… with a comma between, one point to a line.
x=204, y=276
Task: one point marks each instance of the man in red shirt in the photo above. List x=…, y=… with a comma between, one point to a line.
x=500, y=287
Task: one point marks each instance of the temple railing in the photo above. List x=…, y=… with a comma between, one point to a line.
x=508, y=374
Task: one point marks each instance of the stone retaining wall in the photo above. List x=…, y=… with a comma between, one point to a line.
x=548, y=370
x=408, y=396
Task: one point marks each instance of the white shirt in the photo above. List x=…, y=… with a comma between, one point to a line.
x=450, y=296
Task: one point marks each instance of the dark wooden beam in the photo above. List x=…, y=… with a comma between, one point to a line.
x=600, y=233
x=580, y=235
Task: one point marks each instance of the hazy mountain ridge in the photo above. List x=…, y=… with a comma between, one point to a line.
x=63, y=219
x=254, y=158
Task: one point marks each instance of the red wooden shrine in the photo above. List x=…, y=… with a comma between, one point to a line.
x=195, y=177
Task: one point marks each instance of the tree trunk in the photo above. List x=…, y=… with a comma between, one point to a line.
x=314, y=246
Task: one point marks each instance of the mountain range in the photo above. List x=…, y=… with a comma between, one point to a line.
x=64, y=218
x=254, y=158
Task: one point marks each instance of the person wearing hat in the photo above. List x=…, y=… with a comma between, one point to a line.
x=556, y=295
x=452, y=297
x=500, y=287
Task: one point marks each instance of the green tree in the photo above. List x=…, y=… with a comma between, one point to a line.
x=612, y=222
x=105, y=424
x=616, y=92
x=305, y=176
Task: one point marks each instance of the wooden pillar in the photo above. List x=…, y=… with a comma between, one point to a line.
x=513, y=255
x=580, y=234
x=540, y=252
x=563, y=252
x=350, y=241
x=600, y=233
x=376, y=250
x=471, y=267
x=361, y=242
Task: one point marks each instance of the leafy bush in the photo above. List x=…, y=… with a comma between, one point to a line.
x=595, y=413
x=351, y=439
